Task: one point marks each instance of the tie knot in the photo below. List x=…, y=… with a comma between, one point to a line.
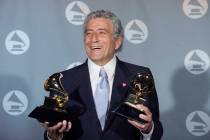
x=103, y=73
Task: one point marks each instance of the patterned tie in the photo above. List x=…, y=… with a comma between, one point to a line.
x=102, y=97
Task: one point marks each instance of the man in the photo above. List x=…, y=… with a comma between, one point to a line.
x=103, y=36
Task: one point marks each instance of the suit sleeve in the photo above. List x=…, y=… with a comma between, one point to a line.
x=154, y=108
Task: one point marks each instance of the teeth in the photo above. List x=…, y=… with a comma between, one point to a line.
x=96, y=47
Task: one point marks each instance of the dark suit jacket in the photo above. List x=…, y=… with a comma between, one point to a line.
x=76, y=82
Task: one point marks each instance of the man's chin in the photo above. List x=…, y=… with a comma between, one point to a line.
x=98, y=61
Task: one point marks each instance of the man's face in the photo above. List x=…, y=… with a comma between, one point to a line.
x=100, y=44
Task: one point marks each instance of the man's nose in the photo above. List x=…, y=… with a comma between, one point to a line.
x=95, y=37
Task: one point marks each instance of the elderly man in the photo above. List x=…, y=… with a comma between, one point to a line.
x=103, y=36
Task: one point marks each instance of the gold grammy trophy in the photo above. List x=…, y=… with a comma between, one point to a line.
x=141, y=86
x=54, y=108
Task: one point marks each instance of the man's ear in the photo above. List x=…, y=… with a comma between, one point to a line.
x=118, y=42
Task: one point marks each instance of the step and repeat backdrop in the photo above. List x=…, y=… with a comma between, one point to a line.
x=172, y=37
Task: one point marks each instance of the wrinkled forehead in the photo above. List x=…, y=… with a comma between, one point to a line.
x=98, y=21
x=99, y=24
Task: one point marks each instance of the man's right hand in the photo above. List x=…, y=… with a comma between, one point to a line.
x=56, y=132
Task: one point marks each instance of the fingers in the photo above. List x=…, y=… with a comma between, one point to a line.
x=60, y=127
x=66, y=126
x=56, y=127
x=56, y=131
x=69, y=126
x=136, y=124
x=45, y=124
x=147, y=116
x=143, y=109
x=146, y=127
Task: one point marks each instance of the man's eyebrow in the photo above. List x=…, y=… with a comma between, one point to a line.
x=99, y=29
x=86, y=30
x=102, y=29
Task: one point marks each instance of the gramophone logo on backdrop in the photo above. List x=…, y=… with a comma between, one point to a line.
x=15, y=102
x=74, y=64
x=195, y=8
x=76, y=12
x=196, y=62
x=198, y=123
x=136, y=31
x=17, y=42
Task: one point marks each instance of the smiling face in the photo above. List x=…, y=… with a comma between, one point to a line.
x=100, y=43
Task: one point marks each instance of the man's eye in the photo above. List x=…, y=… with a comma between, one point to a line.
x=88, y=34
x=102, y=33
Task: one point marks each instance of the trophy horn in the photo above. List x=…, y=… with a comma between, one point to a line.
x=53, y=83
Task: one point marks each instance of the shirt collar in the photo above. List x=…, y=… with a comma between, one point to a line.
x=109, y=67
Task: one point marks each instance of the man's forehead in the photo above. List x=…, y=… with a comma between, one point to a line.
x=99, y=23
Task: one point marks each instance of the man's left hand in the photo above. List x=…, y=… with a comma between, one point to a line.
x=146, y=127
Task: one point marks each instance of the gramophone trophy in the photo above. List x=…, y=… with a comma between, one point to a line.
x=141, y=86
x=54, y=108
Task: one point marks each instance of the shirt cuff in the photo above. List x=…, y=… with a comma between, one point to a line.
x=148, y=136
x=59, y=138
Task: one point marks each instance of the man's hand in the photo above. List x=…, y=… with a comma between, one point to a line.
x=56, y=131
x=144, y=128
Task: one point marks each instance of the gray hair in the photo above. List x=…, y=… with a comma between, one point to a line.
x=118, y=29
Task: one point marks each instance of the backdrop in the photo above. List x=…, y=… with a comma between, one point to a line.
x=41, y=37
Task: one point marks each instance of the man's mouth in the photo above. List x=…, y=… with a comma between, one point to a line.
x=95, y=47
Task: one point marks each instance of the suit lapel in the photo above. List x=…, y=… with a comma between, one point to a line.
x=86, y=95
x=120, y=86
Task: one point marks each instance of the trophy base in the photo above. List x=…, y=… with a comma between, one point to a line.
x=129, y=112
x=43, y=114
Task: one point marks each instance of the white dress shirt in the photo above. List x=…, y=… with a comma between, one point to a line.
x=94, y=70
